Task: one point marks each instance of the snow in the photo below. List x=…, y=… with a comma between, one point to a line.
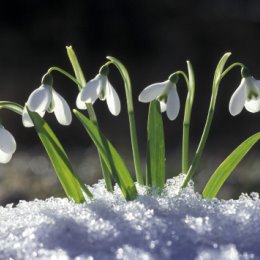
x=178, y=224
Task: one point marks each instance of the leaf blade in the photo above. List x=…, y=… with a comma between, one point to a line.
x=155, y=165
x=220, y=66
x=227, y=166
x=111, y=157
x=71, y=184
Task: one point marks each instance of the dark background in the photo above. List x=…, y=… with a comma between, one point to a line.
x=153, y=39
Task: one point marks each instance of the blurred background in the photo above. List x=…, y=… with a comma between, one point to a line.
x=153, y=39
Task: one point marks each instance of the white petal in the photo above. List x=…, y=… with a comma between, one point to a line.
x=152, y=91
x=173, y=103
x=253, y=105
x=5, y=157
x=27, y=122
x=101, y=90
x=238, y=99
x=163, y=106
x=7, y=141
x=256, y=83
x=61, y=109
x=40, y=99
x=90, y=91
x=79, y=103
x=113, y=101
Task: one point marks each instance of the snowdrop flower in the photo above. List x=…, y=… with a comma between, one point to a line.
x=166, y=93
x=45, y=98
x=7, y=145
x=99, y=87
x=246, y=95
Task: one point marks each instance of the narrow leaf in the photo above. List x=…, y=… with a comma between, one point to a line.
x=110, y=156
x=76, y=67
x=71, y=184
x=155, y=166
x=227, y=166
x=220, y=67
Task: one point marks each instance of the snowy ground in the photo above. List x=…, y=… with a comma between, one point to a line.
x=172, y=226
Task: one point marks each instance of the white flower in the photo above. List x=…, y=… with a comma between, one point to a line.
x=7, y=145
x=246, y=95
x=43, y=99
x=99, y=87
x=166, y=93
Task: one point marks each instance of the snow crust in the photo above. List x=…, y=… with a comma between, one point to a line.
x=175, y=225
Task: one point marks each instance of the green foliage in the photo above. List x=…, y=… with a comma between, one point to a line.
x=227, y=166
x=112, y=164
x=110, y=156
x=72, y=185
x=155, y=166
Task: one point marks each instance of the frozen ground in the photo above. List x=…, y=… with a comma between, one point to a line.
x=172, y=226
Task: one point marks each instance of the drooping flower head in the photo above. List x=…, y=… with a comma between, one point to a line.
x=7, y=145
x=45, y=98
x=246, y=95
x=100, y=87
x=166, y=93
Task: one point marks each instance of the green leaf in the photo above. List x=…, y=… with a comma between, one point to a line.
x=110, y=156
x=71, y=184
x=227, y=166
x=76, y=67
x=155, y=166
x=11, y=106
x=220, y=67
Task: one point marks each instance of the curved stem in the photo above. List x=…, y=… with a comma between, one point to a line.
x=12, y=106
x=187, y=116
x=219, y=74
x=236, y=64
x=184, y=76
x=130, y=108
x=67, y=75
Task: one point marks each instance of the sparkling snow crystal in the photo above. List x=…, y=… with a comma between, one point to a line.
x=176, y=225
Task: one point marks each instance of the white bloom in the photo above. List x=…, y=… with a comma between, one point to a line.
x=7, y=145
x=246, y=95
x=99, y=87
x=43, y=99
x=166, y=93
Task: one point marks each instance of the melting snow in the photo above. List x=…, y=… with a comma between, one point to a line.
x=176, y=225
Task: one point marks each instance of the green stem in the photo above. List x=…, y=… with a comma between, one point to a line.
x=130, y=109
x=81, y=82
x=187, y=116
x=12, y=106
x=219, y=74
x=80, y=86
x=236, y=64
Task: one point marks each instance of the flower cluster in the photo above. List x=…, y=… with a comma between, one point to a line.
x=46, y=99
x=163, y=97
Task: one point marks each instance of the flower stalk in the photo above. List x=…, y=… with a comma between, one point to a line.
x=187, y=116
x=130, y=109
x=215, y=86
x=81, y=82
